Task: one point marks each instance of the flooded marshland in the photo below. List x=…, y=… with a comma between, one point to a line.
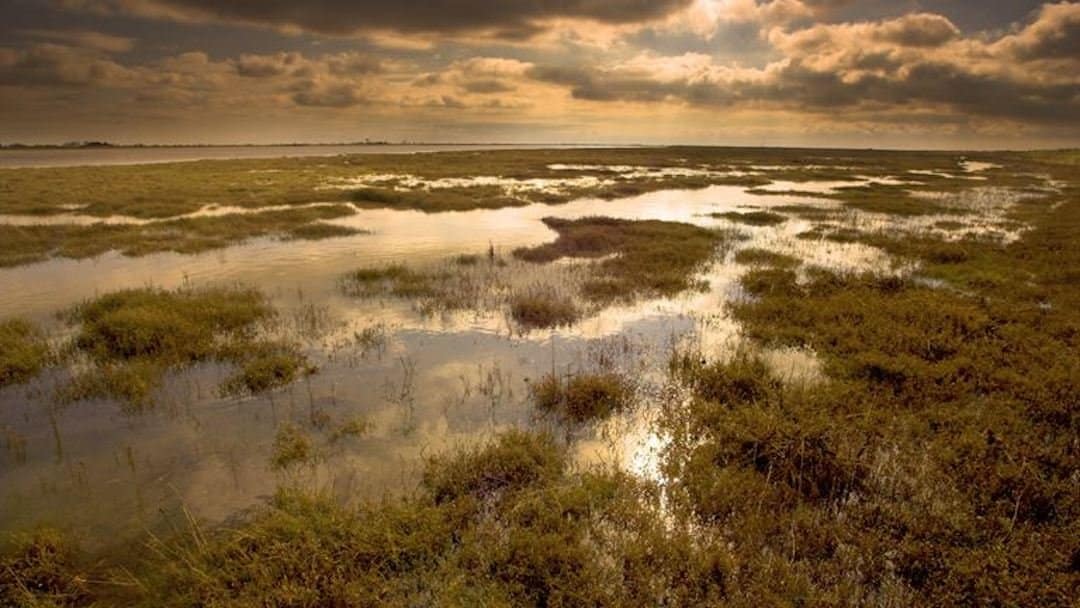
x=419, y=316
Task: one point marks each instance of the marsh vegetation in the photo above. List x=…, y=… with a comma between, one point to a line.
x=930, y=459
x=611, y=260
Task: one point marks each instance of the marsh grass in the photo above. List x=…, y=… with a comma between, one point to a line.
x=25, y=244
x=43, y=569
x=755, y=256
x=166, y=191
x=506, y=523
x=292, y=446
x=581, y=398
x=24, y=351
x=353, y=427
x=543, y=306
x=132, y=338
x=606, y=261
x=932, y=464
x=266, y=366
x=752, y=218
x=644, y=258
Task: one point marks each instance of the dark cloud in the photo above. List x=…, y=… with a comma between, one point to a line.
x=58, y=65
x=265, y=66
x=851, y=81
x=1055, y=35
x=486, y=86
x=353, y=64
x=318, y=94
x=507, y=18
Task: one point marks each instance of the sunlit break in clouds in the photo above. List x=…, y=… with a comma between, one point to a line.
x=868, y=73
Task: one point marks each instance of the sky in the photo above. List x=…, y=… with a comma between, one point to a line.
x=860, y=73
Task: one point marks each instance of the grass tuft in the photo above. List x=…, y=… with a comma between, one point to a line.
x=763, y=257
x=24, y=351
x=543, y=307
x=582, y=397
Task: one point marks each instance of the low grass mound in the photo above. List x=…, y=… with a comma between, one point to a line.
x=266, y=366
x=514, y=461
x=538, y=308
x=396, y=280
x=811, y=213
x=291, y=447
x=133, y=337
x=643, y=258
x=582, y=397
x=745, y=379
x=755, y=256
x=24, y=351
x=439, y=199
x=752, y=218
x=766, y=281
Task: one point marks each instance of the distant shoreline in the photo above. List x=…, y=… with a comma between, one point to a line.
x=112, y=146
x=28, y=157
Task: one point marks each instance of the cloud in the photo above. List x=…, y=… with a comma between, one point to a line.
x=59, y=65
x=1055, y=34
x=265, y=66
x=87, y=39
x=321, y=94
x=913, y=61
x=925, y=30
x=486, y=86
x=512, y=19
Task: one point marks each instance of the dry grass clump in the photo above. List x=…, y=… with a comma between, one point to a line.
x=765, y=281
x=24, y=351
x=133, y=337
x=752, y=218
x=541, y=307
x=754, y=256
x=397, y=280
x=291, y=446
x=515, y=461
x=582, y=398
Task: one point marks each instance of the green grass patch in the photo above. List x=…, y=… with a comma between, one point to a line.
x=266, y=366
x=133, y=337
x=582, y=398
x=24, y=352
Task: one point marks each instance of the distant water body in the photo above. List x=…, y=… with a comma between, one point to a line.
x=71, y=157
